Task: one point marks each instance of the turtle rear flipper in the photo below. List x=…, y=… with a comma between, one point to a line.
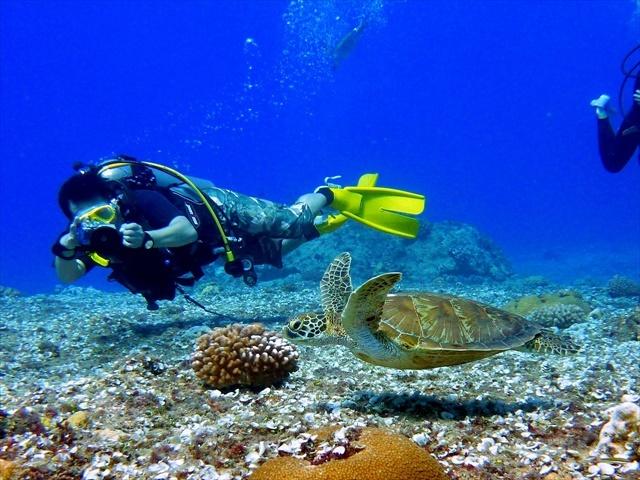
x=547, y=342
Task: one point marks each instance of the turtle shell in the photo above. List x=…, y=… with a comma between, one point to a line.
x=433, y=322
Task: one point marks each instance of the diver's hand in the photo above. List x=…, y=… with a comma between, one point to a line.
x=70, y=240
x=600, y=104
x=132, y=235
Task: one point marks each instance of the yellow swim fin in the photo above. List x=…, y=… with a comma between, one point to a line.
x=386, y=209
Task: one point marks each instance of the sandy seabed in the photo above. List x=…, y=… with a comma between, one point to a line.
x=93, y=386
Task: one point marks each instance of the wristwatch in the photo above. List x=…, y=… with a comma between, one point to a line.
x=147, y=241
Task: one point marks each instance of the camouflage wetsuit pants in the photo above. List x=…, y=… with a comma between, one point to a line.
x=262, y=224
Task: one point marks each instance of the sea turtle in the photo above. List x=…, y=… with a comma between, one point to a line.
x=414, y=330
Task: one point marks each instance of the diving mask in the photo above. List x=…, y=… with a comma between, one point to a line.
x=96, y=228
x=101, y=214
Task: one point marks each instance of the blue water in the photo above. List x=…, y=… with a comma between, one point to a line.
x=483, y=106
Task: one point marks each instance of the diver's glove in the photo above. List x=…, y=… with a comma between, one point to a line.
x=601, y=105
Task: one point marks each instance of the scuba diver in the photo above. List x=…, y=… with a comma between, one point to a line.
x=156, y=228
x=616, y=149
x=346, y=45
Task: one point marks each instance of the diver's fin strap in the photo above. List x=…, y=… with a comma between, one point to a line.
x=330, y=223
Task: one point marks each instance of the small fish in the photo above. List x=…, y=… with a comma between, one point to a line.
x=347, y=44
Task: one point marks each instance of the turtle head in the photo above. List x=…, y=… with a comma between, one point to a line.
x=308, y=329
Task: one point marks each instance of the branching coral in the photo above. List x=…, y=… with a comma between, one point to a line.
x=243, y=355
x=375, y=454
x=561, y=316
x=620, y=436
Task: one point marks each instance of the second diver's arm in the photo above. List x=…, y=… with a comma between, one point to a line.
x=616, y=149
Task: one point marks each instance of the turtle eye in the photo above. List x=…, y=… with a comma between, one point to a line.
x=295, y=325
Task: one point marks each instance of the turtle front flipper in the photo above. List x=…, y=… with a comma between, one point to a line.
x=547, y=342
x=335, y=288
x=361, y=318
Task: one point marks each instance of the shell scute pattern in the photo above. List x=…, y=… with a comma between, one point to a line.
x=439, y=322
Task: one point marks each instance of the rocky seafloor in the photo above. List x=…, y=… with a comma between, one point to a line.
x=94, y=386
x=146, y=415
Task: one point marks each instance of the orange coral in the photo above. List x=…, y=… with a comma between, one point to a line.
x=6, y=469
x=385, y=456
x=243, y=355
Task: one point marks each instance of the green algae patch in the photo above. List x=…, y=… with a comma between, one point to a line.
x=525, y=305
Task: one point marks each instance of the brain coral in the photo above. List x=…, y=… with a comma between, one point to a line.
x=525, y=305
x=243, y=355
x=377, y=455
x=561, y=316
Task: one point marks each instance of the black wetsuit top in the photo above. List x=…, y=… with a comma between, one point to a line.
x=152, y=211
x=154, y=273
x=616, y=149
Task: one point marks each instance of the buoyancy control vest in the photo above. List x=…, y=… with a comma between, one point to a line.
x=157, y=273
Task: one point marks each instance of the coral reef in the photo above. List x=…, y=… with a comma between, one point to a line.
x=624, y=328
x=461, y=250
x=24, y=420
x=79, y=419
x=3, y=423
x=561, y=316
x=525, y=305
x=243, y=355
x=372, y=453
x=9, y=292
x=443, y=250
x=6, y=469
x=620, y=436
x=514, y=417
x=533, y=281
x=620, y=286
